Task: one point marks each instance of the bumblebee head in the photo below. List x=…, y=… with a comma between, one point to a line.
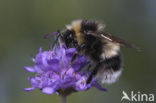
x=73, y=34
x=68, y=37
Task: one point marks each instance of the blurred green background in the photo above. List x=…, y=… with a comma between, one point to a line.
x=23, y=23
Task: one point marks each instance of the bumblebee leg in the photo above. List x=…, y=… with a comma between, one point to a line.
x=94, y=72
x=89, y=66
x=79, y=48
x=73, y=59
x=71, y=62
x=56, y=40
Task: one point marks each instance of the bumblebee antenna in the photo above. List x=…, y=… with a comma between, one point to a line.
x=55, y=41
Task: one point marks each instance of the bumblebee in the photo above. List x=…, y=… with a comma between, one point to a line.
x=101, y=48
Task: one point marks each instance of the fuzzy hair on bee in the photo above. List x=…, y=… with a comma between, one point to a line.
x=102, y=49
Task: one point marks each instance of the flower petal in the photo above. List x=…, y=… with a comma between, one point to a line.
x=48, y=90
x=54, y=64
x=40, y=50
x=28, y=89
x=70, y=51
x=29, y=69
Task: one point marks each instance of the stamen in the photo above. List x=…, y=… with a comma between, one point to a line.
x=49, y=54
x=83, y=80
x=73, y=73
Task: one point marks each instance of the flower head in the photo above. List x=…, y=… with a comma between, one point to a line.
x=53, y=74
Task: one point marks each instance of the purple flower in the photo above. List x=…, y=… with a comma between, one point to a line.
x=54, y=76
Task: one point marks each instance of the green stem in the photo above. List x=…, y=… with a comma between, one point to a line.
x=64, y=99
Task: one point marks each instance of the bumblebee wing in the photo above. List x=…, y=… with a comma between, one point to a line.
x=118, y=40
x=112, y=38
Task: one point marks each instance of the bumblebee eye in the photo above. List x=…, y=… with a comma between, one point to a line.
x=70, y=35
x=69, y=38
